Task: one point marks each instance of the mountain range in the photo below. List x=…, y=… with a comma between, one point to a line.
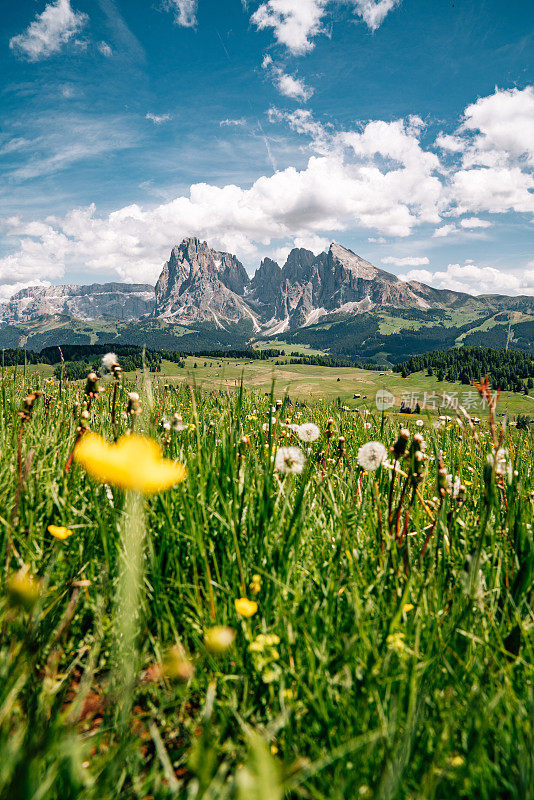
x=207, y=292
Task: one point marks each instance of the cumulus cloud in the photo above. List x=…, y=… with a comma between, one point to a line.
x=444, y=230
x=296, y=23
x=376, y=177
x=476, y=280
x=495, y=146
x=7, y=290
x=408, y=261
x=474, y=223
x=158, y=119
x=185, y=12
x=51, y=29
x=344, y=188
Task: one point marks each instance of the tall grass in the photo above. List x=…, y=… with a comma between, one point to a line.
x=386, y=669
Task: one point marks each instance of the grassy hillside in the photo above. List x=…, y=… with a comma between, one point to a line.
x=381, y=337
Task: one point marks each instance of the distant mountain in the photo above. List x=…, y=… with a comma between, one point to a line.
x=113, y=300
x=336, y=301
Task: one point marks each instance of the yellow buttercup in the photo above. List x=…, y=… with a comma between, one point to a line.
x=133, y=462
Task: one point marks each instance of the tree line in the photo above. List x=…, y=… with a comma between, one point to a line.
x=509, y=370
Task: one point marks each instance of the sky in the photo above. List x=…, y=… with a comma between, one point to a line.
x=402, y=129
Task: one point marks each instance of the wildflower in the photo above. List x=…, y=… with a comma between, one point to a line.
x=407, y=607
x=133, y=462
x=110, y=361
x=366, y=425
x=59, y=532
x=219, y=639
x=178, y=424
x=255, y=584
x=308, y=432
x=498, y=460
x=177, y=665
x=454, y=485
x=245, y=607
x=419, y=423
x=133, y=404
x=290, y=459
x=23, y=589
x=371, y=455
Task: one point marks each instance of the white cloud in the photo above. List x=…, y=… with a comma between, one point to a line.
x=56, y=141
x=232, y=123
x=293, y=87
x=105, y=49
x=55, y=26
x=444, y=230
x=296, y=23
x=503, y=124
x=475, y=222
x=495, y=142
x=287, y=85
x=158, y=119
x=476, y=280
x=185, y=12
x=493, y=189
x=408, y=261
x=332, y=193
x=7, y=290
x=454, y=144
x=374, y=12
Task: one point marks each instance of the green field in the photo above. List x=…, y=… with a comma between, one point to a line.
x=303, y=382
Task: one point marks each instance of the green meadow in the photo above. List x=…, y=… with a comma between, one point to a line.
x=298, y=613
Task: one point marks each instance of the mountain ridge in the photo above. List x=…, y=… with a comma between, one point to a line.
x=335, y=299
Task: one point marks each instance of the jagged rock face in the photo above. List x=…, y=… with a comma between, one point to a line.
x=338, y=280
x=114, y=300
x=201, y=284
x=198, y=284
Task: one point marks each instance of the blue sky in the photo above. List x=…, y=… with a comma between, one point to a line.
x=404, y=130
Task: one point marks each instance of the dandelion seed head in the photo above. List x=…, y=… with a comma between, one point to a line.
x=290, y=460
x=308, y=432
x=109, y=361
x=371, y=455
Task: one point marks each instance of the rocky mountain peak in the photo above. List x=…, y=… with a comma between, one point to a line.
x=358, y=267
x=198, y=283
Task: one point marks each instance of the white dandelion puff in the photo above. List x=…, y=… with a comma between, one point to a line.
x=109, y=361
x=371, y=455
x=308, y=432
x=290, y=459
x=419, y=423
x=177, y=423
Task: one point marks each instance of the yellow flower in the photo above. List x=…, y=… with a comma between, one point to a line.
x=255, y=584
x=245, y=607
x=60, y=532
x=134, y=462
x=407, y=607
x=219, y=639
x=23, y=589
